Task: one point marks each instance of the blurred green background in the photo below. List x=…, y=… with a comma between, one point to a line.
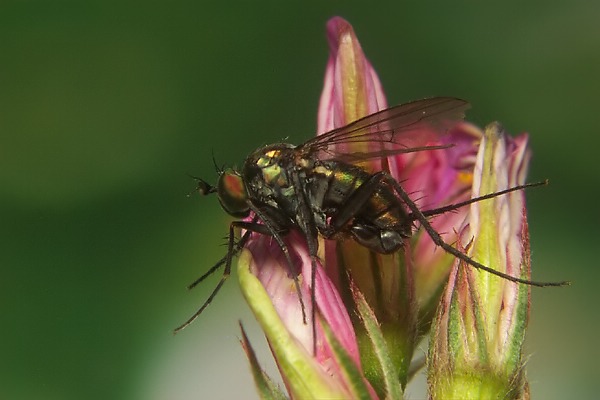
x=105, y=107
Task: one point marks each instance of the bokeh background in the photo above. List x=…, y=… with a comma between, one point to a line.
x=105, y=107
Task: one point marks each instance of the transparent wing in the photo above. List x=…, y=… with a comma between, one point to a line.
x=401, y=129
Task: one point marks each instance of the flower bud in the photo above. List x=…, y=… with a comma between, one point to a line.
x=476, y=344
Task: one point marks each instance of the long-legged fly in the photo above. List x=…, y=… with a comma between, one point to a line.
x=319, y=190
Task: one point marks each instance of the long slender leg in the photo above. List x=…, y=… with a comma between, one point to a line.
x=416, y=214
x=273, y=231
x=249, y=226
x=232, y=250
x=307, y=224
x=208, y=273
x=437, y=239
x=312, y=250
x=451, y=207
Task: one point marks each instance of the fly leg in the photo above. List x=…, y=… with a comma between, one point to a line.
x=306, y=222
x=362, y=194
x=418, y=215
x=232, y=250
x=275, y=230
x=451, y=207
x=249, y=226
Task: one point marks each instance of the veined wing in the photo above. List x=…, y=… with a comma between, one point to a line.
x=408, y=127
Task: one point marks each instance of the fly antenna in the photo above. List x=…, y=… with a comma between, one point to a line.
x=217, y=168
x=202, y=187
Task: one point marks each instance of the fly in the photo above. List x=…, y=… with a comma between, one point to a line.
x=317, y=189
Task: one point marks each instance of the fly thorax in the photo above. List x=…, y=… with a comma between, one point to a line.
x=273, y=175
x=270, y=162
x=266, y=173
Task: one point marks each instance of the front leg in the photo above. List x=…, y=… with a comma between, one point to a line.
x=232, y=250
x=275, y=228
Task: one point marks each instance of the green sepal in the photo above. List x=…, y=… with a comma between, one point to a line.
x=389, y=372
x=305, y=378
x=267, y=389
x=352, y=375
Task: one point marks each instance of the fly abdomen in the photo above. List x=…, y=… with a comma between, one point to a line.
x=331, y=184
x=343, y=202
x=384, y=209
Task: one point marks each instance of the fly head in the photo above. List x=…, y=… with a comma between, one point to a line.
x=231, y=191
